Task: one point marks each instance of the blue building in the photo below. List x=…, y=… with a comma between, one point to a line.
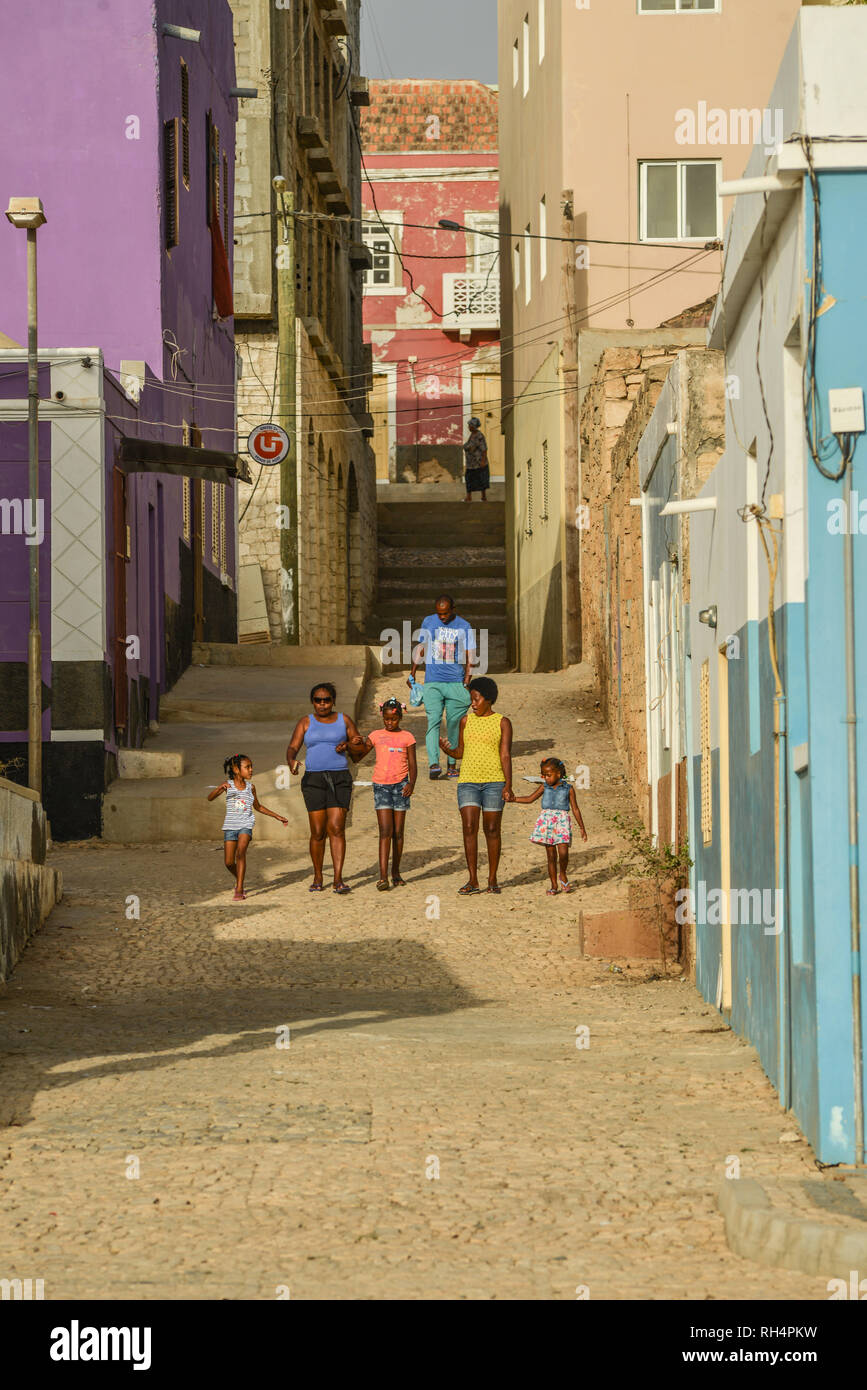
x=777, y=761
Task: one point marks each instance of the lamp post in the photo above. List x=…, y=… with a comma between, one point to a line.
x=27, y=213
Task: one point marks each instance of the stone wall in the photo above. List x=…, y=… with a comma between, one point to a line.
x=28, y=890
x=616, y=410
x=336, y=500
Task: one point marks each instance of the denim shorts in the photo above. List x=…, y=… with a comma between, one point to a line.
x=233, y=834
x=388, y=796
x=488, y=796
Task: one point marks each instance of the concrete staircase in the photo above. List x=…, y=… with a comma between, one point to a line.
x=232, y=699
x=431, y=542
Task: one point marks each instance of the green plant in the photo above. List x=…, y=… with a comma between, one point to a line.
x=662, y=863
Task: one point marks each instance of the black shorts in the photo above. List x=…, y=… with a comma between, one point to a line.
x=324, y=790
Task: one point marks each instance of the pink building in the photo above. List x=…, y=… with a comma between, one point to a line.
x=432, y=296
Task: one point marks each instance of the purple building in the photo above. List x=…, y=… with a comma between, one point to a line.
x=126, y=131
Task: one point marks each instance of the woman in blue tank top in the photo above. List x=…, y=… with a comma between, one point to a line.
x=327, y=782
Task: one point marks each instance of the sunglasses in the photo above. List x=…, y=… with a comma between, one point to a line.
x=322, y=700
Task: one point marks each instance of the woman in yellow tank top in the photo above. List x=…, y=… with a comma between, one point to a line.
x=485, y=782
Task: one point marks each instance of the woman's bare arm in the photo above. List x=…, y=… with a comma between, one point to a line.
x=459, y=751
x=506, y=756
x=296, y=741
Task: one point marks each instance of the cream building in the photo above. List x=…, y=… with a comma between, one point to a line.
x=618, y=121
x=303, y=125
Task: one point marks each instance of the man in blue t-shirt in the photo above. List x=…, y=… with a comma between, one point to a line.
x=447, y=644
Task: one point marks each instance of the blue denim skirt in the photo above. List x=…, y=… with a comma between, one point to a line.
x=388, y=796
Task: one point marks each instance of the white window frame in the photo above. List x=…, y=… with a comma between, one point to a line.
x=528, y=262
x=516, y=62
x=543, y=232
x=715, y=9
x=369, y=224
x=516, y=266
x=525, y=30
x=479, y=246
x=541, y=31
x=680, y=164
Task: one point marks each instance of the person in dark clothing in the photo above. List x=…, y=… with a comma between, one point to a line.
x=476, y=467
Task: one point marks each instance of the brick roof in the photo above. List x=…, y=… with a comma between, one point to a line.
x=422, y=115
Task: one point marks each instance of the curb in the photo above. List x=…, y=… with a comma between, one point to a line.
x=759, y=1231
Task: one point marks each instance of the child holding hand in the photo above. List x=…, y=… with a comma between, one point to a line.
x=394, y=777
x=553, y=829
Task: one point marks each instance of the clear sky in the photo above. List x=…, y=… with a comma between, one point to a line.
x=429, y=38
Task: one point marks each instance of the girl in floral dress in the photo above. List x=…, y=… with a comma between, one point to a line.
x=553, y=829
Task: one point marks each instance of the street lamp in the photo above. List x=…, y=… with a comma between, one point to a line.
x=27, y=213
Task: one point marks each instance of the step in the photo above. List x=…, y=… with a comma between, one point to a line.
x=440, y=573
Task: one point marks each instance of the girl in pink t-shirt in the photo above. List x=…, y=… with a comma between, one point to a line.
x=393, y=781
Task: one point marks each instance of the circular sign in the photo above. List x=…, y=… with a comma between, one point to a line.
x=268, y=444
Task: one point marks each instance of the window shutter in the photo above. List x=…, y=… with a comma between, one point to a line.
x=170, y=181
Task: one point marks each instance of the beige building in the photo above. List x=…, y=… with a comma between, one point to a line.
x=618, y=121
x=298, y=264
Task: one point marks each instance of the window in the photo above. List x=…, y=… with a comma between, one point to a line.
x=170, y=182
x=516, y=265
x=541, y=30
x=678, y=200
x=185, y=123
x=681, y=6
x=187, y=507
x=544, y=515
x=706, y=764
x=516, y=64
x=543, y=245
x=528, y=267
x=386, y=272
x=526, y=32
x=482, y=242
x=528, y=529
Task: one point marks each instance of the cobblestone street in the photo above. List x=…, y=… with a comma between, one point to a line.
x=431, y=1132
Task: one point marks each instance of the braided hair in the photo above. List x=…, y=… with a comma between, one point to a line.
x=234, y=762
x=392, y=703
x=555, y=762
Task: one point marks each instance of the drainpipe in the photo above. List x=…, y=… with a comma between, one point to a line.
x=783, y=933
x=852, y=760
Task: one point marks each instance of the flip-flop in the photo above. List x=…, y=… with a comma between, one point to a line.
x=343, y=888
x=316, y=888
x=567, y=886
x=382, y=886
x=453, y=772
x=467, y=890
x=398, y=882
x=552, y=892
x=434, y=773
x=493, y=888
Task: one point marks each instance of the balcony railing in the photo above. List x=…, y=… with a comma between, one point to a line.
x=471, y=301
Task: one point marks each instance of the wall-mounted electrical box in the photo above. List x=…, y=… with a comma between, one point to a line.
x=846, y=406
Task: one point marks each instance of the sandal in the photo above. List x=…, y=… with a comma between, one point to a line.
x=493, y=888
x=399, y=882
x=342, y=888
x=567, y=886
x=552, y=892
x=453, y=772
x=434, y=773
x=316, y=888
x=382, y=887
x=467, y=890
